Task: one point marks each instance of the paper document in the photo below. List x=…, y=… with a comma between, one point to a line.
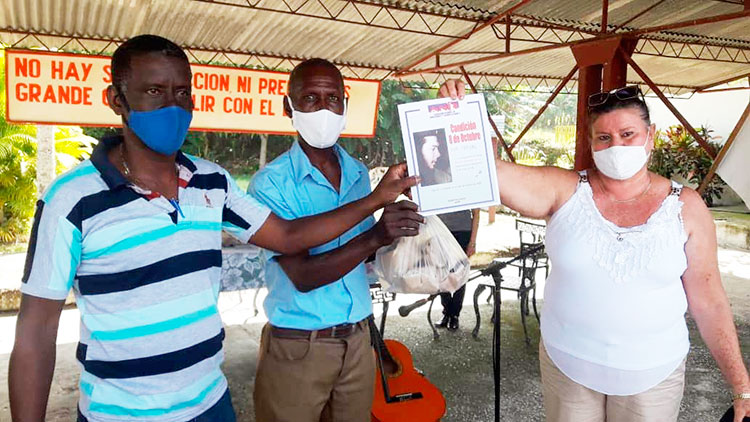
x=448, y=144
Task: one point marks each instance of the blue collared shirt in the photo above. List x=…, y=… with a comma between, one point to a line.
x=292, y=187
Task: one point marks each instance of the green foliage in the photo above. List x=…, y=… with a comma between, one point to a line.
x=387, y=148
x=544, y=152
x=18, y=167
x=677, y=153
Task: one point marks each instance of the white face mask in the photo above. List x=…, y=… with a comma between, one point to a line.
x=621, y=162
x=320, y=129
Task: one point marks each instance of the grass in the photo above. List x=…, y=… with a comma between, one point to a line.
x=733, y=217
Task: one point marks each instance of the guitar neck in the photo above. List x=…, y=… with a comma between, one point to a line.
x=381, y=352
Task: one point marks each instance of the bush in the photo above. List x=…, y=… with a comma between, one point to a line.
x=18, y=191
x=676, y=152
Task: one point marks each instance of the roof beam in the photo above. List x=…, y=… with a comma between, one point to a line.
x=648, y=47
x=476, y=29
x=723, y=81
x=190, y=50
x=383, y=12
x=683, y=24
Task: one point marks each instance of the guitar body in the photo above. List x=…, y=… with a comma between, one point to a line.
x=429, y=408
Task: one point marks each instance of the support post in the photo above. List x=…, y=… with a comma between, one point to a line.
x=589, y=82
x=616, y=69
x=605, y=15
x=45, y=157
x=724, y=150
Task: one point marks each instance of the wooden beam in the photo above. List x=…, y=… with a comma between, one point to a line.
x=724, y=150
x=605, y=15
x=489, y=117
x=702, y=142
x=551, y=98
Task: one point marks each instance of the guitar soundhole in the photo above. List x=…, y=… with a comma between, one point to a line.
x=391, y=372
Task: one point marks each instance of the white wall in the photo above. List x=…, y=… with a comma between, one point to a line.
x=718, y=111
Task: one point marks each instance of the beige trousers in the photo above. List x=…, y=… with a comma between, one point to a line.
x=567, y=401
x=312, y=380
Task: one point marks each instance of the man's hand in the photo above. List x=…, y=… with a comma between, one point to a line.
x=453, y=88
x=398, y=219
x=394, y=183
x=471, y=249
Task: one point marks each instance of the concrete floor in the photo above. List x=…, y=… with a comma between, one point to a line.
x=458, y=364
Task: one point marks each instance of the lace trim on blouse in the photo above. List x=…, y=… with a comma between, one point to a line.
x=634, y=248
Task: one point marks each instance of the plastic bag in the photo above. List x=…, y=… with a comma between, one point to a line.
x=430, y=262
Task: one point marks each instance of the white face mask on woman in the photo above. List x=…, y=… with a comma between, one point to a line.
x=320, y=129
x=622, y=161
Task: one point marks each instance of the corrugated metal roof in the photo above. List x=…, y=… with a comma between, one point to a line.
x=376, y=37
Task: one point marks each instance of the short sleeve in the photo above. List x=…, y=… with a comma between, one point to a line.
x=54, y=251
x=243, y=215
x=269, y=194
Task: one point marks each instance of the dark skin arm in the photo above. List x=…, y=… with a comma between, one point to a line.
x=32, y=362
x=290, y=237
x=309, y=272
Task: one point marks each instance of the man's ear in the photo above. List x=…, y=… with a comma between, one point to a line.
x=287, y=106
x=115, y=102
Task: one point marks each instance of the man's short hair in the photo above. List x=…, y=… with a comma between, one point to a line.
x=136, y=46
x=294, y=77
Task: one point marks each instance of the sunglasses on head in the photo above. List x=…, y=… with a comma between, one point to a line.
x=619, y=94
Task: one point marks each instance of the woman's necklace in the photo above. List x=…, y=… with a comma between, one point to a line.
x=620, y=235
x=621, y=201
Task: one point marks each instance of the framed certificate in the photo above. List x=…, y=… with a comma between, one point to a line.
x=448, y=144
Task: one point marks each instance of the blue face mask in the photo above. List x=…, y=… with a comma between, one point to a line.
x=162, y=130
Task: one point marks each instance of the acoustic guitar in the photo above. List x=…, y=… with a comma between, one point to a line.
x=401, y=393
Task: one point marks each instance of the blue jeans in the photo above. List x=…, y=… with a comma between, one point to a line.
x=222, y=411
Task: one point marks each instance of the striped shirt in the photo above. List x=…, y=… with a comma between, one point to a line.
x=146, y=279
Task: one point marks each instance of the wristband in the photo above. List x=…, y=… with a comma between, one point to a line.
x=741, y=396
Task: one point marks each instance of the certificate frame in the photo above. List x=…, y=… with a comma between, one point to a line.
x=457, y=132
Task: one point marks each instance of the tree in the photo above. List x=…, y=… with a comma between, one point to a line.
x=18, y=149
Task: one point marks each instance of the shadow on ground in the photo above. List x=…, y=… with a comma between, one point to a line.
x=457, y=363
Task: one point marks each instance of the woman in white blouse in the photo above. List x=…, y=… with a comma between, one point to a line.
x=632, y=252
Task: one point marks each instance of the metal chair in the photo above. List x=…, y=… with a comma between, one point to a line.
x=378, y=295
x=531, y=234
x=528, y=262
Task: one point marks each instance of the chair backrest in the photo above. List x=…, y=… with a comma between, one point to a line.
x=529, y=232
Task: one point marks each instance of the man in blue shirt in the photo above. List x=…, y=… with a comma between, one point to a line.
x=315, y=360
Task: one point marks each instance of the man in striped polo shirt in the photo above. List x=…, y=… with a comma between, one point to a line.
x=136, y=233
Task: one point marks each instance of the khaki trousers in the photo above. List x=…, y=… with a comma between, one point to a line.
x=312, y=380
x=567, y=401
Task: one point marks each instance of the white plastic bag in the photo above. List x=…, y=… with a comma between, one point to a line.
x=430, y=262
